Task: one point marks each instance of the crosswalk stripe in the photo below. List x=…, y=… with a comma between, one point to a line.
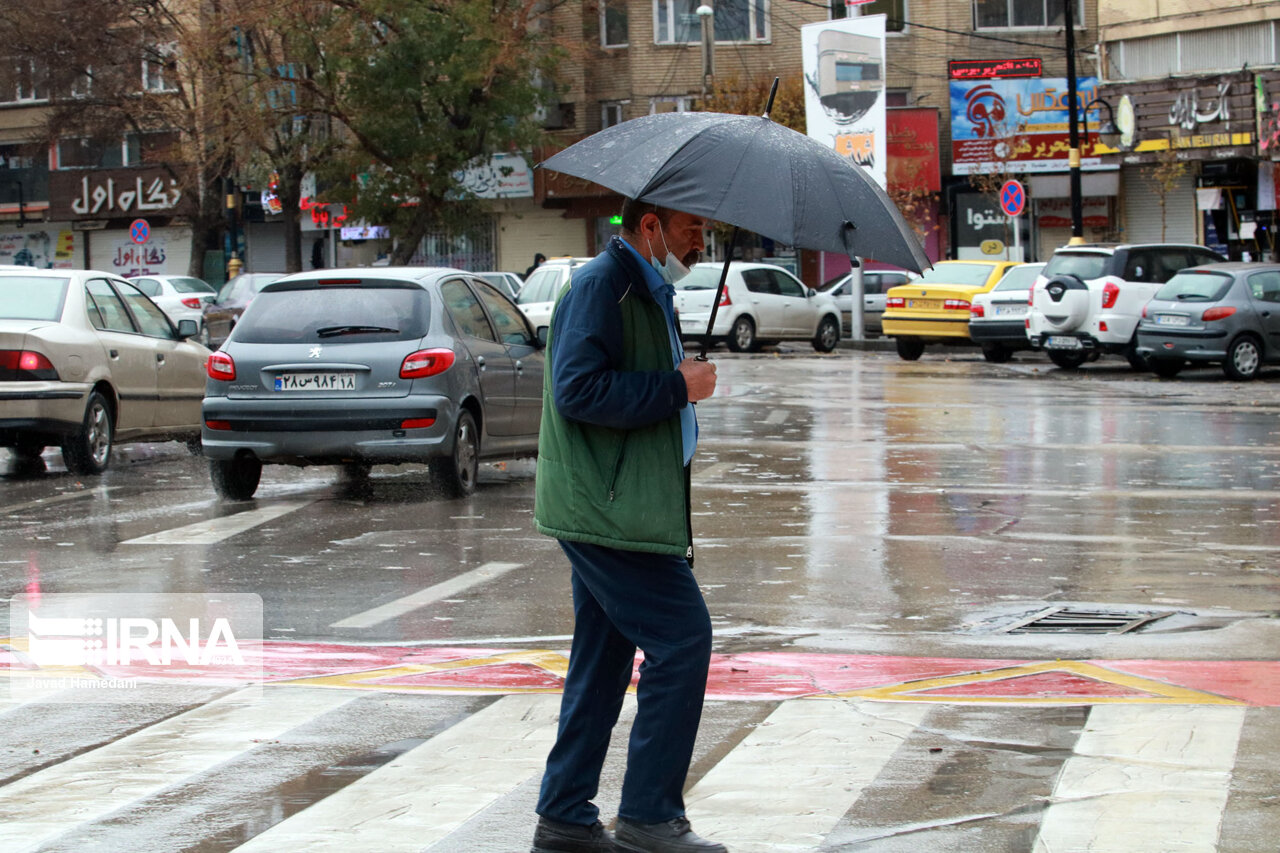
x=809, y=761
x=1144, y=779
x=215, y=530
x=427, y=793
x=41, y=806
x=422, y=598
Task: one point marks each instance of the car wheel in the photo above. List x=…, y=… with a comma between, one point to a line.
x=996, y=354
x=909, y=349
x=1244, y=359
x=88, y=450
x=828, y=335
x=194, y=446
x=458, y=470
x=742, y=336
x=356, y=472
x=235, y=479
x=1166, y=368
x=1136, y=361
x=1067, y=359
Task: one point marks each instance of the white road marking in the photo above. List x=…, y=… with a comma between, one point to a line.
x=216, y=530
x=712, y=471
x=422, y=598
x=809, y=761
x=55, y=499
x=1145, y=779
x=431, y=790
x=37, y=808
x=777, y=416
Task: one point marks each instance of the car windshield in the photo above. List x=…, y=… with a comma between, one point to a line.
x=328, y=314
x=971, y=275
x=31, y=298
x=1195, y=285
x=700, y=278
x=190, y=285
x=1082, y=265
x=1020, y=278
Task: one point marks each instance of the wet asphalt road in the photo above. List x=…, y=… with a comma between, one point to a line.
x=846, y=504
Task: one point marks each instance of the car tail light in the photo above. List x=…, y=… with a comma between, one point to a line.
x=1144, y=312
x=220, y=366
x=1221, y=312
x=20, y=365
x=417, y=423
x=192, y=302
x=724, y=298
x=426, y=362
x=895, y=302
x=956, y=304
x=1026, y=324
x=219, y=425
x=1110, y=292
x=1102, y=326
x=976, y=311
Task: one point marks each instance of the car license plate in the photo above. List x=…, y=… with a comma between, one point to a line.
x=1172, y=320
x=1009, y=310
x=928, y=304
x=1062, y=342
x=316, y=382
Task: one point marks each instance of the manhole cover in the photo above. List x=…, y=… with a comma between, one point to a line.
x=1076, y=620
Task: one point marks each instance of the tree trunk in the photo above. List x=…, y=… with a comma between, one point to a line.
x=290, y=192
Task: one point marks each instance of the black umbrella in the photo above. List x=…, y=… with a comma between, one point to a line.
x=752, y=173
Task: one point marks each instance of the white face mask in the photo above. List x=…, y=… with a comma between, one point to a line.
x=671, y=270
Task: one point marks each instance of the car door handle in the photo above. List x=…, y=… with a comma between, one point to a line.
x=114, y=353
x=480, y=360
x=160, y=357
x=519, y=366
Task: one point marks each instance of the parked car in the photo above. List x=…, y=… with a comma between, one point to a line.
x=874, y=285
x=88, y=361
x=507, y=282
x=222, y=314
x=998, y=318
x=537, y=297
x=934, y=309
x=1088, y=298
x=1226, y=314
x=358, y=367
x=762, y=304
x=180, y=297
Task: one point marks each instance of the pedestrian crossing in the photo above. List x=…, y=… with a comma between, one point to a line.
x=293, y=768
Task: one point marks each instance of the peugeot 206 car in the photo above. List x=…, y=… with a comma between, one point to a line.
x=357, y=367
x=88, y=361
x=761, y=304
x=1226, y=314
x=998, y=318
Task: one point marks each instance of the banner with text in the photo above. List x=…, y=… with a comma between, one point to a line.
x=844, y=98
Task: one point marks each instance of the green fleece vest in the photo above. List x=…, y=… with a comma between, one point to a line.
x=618, y=488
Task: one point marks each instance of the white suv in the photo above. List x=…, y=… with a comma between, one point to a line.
x=1089, y=298
x=537, y=296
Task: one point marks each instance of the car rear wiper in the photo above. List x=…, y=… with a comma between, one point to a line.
x=331, y=331
x=1191, y=296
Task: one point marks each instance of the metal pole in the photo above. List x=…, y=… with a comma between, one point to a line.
x=1073, y=128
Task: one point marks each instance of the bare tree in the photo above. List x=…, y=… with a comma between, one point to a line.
x=1163, y=177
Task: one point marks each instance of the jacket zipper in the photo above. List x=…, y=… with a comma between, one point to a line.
x=617, y=466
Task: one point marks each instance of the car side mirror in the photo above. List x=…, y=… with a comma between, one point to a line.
x=809, y=293
x=187, y=329
x=543, y=332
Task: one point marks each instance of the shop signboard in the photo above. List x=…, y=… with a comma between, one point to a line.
x=76, y=194
x=502, y=176
x=1209, y=117
x=1018, y=125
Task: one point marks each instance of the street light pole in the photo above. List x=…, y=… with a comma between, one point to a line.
x=1073, y=129
x=706, y=16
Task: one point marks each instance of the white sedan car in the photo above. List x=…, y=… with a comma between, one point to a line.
x=762, y=304
x=537, y=297
x=997, y=318
x=180, y=297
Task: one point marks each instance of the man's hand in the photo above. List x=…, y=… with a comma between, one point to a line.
x=699, y=378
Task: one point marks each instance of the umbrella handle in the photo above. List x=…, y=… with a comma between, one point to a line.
x=715, y=303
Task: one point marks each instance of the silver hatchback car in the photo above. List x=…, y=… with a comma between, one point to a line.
x=1226, y=314
x=357, y=367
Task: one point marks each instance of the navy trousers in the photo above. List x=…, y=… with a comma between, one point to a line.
x=623, y=600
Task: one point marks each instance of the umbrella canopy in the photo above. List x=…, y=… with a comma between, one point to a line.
x=751, y=172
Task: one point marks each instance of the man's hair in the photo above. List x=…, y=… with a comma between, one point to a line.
x=633, y=211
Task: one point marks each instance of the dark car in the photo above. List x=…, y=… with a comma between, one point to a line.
x=357, y=367
x=222, y=314
x=1226, y=314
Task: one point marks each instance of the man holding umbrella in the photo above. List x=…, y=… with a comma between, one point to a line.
x=618, y=433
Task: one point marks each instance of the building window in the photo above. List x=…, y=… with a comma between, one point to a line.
x=611, y=113
x=671, y=105
x=22, y=81
x=613, y=23
x=676, y=21
x=82, y=152
x=160, y=68
x=895, y=12
x=1002, y=14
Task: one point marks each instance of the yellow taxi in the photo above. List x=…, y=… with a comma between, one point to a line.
x=934, y=309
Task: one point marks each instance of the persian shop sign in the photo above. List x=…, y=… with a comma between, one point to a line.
x=113, y=193
x=1016, y=125
x=986, y=69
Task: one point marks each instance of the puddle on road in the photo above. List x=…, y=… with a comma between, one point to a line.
x=297, y=794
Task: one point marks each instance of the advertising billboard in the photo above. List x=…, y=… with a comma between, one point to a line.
x=844, y=88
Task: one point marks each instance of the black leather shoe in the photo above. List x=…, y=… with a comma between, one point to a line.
x=554, y=837
x=673, y=836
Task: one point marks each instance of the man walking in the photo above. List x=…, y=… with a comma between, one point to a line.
x=618, y=433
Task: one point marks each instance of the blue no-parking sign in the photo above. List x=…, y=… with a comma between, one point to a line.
x=139, y=231
x=1013, y=197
